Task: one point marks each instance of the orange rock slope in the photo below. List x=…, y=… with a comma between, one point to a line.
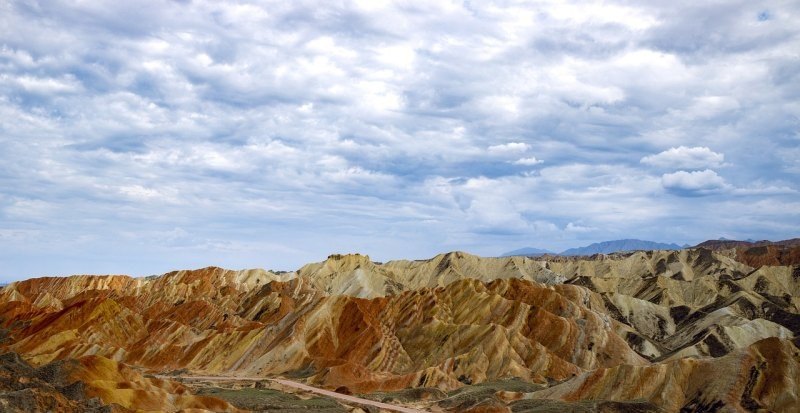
x=446, y=322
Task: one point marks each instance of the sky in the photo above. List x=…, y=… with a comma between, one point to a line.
x=142, y=137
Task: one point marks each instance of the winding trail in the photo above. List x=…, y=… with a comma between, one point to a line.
x=305, y=387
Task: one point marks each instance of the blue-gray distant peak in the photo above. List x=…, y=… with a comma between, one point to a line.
x=608, y=247
x=527, y=252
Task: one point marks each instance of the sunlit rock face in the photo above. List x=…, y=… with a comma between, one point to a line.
x=649, y=324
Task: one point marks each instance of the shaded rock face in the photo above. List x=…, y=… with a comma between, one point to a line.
x=452, y=321
x=24, y=388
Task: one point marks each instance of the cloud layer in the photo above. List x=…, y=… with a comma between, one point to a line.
x=685, y=157
x=142, y=139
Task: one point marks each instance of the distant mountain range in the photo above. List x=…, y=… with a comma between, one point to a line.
x=606, y=247
x=528, y=252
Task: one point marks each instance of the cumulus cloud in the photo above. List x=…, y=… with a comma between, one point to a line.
x=511, y=148
x=572, y=227
x=279, y=132
x=684, y=157
x=764, y=190
x=694, y=183
x=528, y=161
x=707, y=182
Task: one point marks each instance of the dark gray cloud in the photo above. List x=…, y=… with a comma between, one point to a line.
x=141, y=139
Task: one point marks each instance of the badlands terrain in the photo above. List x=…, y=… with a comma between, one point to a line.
x=708, y=329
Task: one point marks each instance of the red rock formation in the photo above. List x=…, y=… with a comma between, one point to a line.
x=724, y=244
x=769, y=255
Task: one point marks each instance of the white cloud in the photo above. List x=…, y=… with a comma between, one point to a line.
x=44, y=85
x=684, y=157
x=506, y=149
x=703, y=182
x=571, y=227
x=764, y=190
x=711, y=106
x=708, y=182
x=528, y=161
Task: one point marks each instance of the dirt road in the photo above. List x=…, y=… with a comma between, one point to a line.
x=305, y=387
